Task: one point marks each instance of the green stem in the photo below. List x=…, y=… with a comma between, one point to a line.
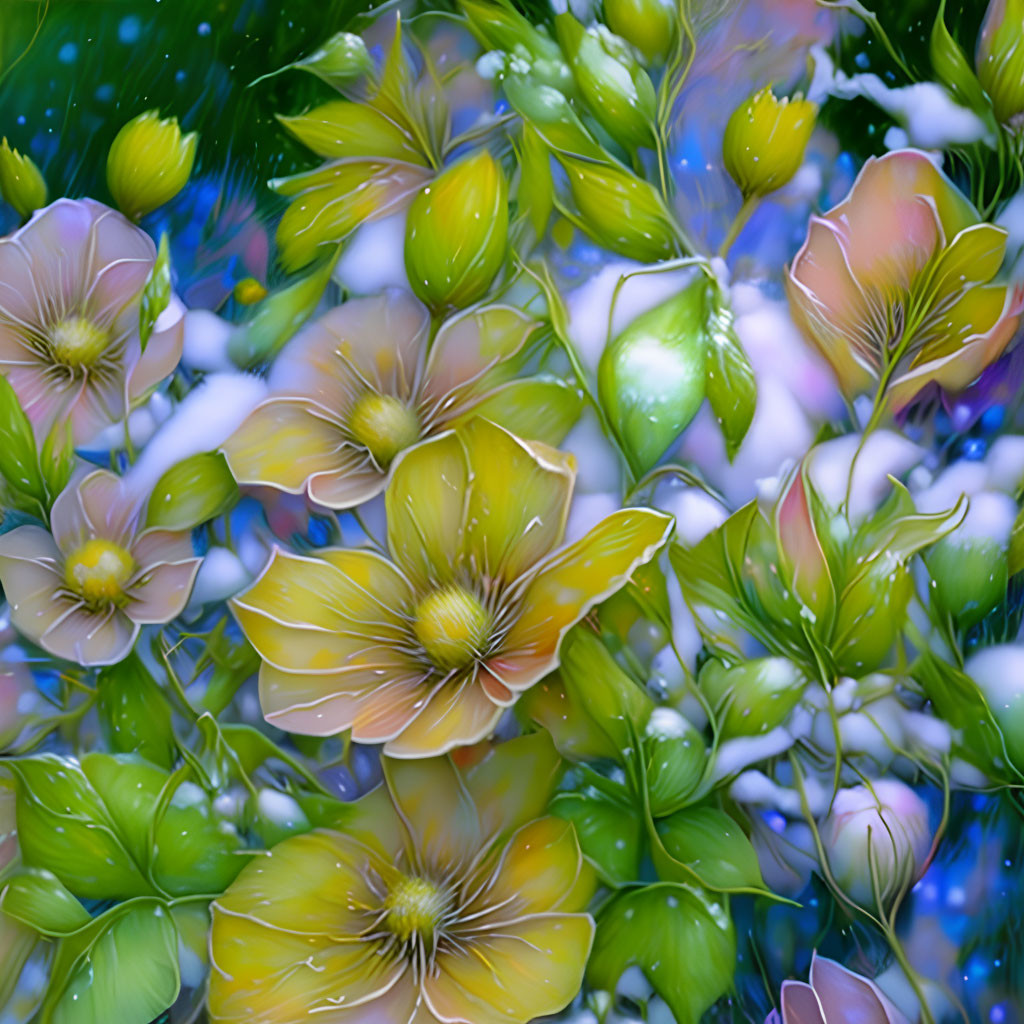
x=750, y=204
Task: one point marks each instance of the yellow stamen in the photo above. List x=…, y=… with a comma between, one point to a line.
x=383, y=425
x=77, y=342
x=415, y=906
x=98, y=571
x=452, y=625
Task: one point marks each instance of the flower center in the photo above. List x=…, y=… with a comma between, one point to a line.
x=415, y=906
x=77, y=342
x=452, y=625
x=98, y=571
x=383, y=425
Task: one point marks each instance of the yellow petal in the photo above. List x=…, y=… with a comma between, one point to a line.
x=569, y=584
x=533, y=968
x=506, y=537
x=426, y=503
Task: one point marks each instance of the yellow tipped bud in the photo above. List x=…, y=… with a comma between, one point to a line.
x=1000, y=57
x=649, y=25
x=249, y=291
x=765, y=141
x=457, y=233
x=149, y=163
x=21, y=182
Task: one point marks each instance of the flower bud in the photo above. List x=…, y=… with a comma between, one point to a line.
x=881, y=828
x=191, y=492
x=1000, y=57
x=340, y=61
x=457, y=233
x=149, y=163
x=651, y=377
x=969, y=577
x=765, y=140
x=620, y=211
x=676, y=758
x=618, y=91
x=21, y=182
x=649, y=25
x=754, y=696
x=998, y=672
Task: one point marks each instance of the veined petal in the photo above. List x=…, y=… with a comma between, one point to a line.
x=800, y=1005
x=529, y=969
x=569, y=584
x=161, y=592
x=94, y=505
x=283, y=442
x=844, y=995
x=355, y=481
x=437, y=810
x=90, y=637
x=504, y=537
x=389, y=708
x=161, y=356
x=426, y=510
x=157, y=545
x=457, y=714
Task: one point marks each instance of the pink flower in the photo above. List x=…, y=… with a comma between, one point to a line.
x=70, y=284
x=83, y=591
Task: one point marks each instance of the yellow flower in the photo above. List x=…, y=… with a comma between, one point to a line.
x=447, y=899
x=149, y=163
x=83, y=592
x=765, y=139
x=895, y=285
x=363, y=383
x=21, y=183
x=425, y=652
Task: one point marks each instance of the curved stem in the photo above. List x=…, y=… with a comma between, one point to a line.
x=750, y=204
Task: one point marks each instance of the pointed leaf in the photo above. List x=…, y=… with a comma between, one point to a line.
x=713, y=845
x=610, y=835
x=39, y=899
x=731, y=387
x=156, y=293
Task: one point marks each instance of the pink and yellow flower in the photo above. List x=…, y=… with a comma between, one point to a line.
x=423, y=653
x=895, y=285
x=363, y=383
x=83, y=591
x=447, y=899
x=70, y=284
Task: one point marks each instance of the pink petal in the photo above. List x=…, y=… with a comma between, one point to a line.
x=162, y=592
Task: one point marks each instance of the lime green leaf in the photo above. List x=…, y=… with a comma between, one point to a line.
x=713, y=845
x=129, y=972
x=535, y=190
x=341, y=128
x=134, y=714
x=1015, y=557
x=610, y=834
x=682, y=939
x=676, y=759
x=731, y=387
x=39, y=899
x=156, y=293
x=19, y=464
x=193, y=491
x=57, y=458
x=955, y=72
x=536, y=409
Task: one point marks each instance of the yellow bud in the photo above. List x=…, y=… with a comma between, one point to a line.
x=649, y=25
x=249, y=291
x=765, y=141
x=457, y=233
x=149, y=163
x=21, y=182
x=1000, y=57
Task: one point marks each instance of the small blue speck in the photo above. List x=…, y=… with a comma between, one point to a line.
x=129, y=30
x=68, y=53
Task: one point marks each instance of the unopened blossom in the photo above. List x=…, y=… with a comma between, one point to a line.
x=83, y=591
x=447, y=898
x=423, y=653
x=70, y=285
x=363, y=383
x=835, y=995
x=896, y=285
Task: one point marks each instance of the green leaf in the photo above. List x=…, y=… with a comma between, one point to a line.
x=156, y=293
x=134, y=713
x=57, y=458
x=39, y=899
x=1015, y=556
x=192, y=492
x=340, y=128
x=731, y=387
x=682, y=939
x=535, y=191
x=65, y=827
x=610, y=835
x=16, y=945
x=128, y=973
x=676, y=760
x=651, y=377
x=19, y=464
x=535, y=408
x=955, y=72
x=712, y=845
x=279, y=316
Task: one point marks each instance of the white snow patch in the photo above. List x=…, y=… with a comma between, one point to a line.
x=586, y=511
x=696, y=512
x=374, y=259
x=206, y=341
x=222, y=575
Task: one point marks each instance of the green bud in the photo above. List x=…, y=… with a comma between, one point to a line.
x=765, y=139
x=969, y=577
x=457, y=233
x=191, y=492
x=618, y=91
x=340, y=61
x=951, y=67
x=675, y=757
x=754, y=696
x=133, y=711
x=651, y=377
x=149, y=163
x=620, y=211
x=649, y=25
x=21, y=182
x=1000, y=57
